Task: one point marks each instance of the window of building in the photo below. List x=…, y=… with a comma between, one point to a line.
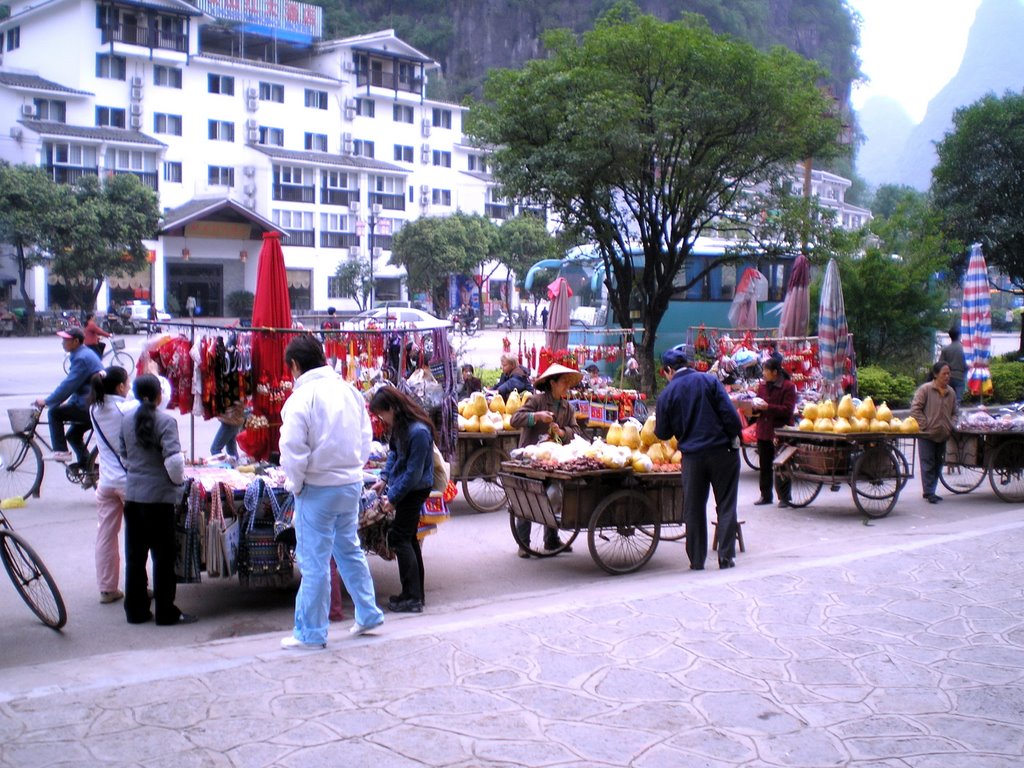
x=272, y=92
x=302, y=220
x=477, y=163
x=71, y=155
x=172, y=172
x=273, y=137
x=402, y=113
x=290, y=174
x=13, y=38
x=169, y=124
x=222, y=84
x=54, y=110
x=110, y=117
x=388, y=185
x=221, y=130
x=334, y=288
x=220, y=176
x=110, y=67
x=335, y=180
x=443, y=159
x=316, y=142
x=441, y=118
x=316, y=99
x=127, y=160
x=441, y=196
x=362, y=148
x=366, y=107
x=403, y=154
x=168, y=77
x=335, y=222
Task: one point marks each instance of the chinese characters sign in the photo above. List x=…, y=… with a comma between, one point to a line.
x=301, y=18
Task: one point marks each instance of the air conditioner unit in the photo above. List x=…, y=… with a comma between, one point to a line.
x=252, y=105
x=426, y=126
x=249, y=171
x=136, y=81
x=350, y=103
x=354, y=251
x=135, y=122
x=425, y=154
x=250, y=189
x=424, y=200
x=252, y=137
x=136, y=93
x=251, y=124
x=346, y=143
x=28, y=110
x=251, y=93
x=353, y=206
x=136, y=109
x=349, y=65
x=350, y=113
x=16, y=132
x=424, y=189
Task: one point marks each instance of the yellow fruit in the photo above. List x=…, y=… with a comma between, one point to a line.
x=677, y=458
x=647, y=436
x=630, y=436
x=656, y=453
x=826, y=410
x=614, y=436
x=473, y=423
x=895, y=425
x=845, y=407
x=842, y=425
x=861, y=425
x=506, y=422
x=642, y=464
x=910, y=426
x=513, y=403
x=477, y=404
x=866, y=410
x=805, y=425
x=675, y=444
x=811, y=411
x=486, y=424
x=883, y=413
x=877, y=425
x=823, y=425
x=497, y=404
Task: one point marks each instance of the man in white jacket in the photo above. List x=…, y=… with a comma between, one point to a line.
x=325, y=442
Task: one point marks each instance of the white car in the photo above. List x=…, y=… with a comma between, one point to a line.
x=395, y=317
x=140, y=312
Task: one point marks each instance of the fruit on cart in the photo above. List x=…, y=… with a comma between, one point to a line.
x=896, y=424
x=506, y=421
x=866, y=410
x=677, y=458
x=842, y=426
x=630, y=435
x=473, y=423
x=910, y=426
x=805, y=425
x=647, y=436
x=826, y=409
x=845, y=409
x=823, y=425
x=497, y=404
x=477, y=405
x=656, y=453
x=883, y=413
x=877, y=425
x=614, y=436
x=513, y=403
x=811, y=412
x=643, y=463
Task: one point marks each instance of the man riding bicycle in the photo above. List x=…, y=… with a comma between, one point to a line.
x=75, y=391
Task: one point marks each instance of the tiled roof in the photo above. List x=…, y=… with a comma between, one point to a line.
x=266, y=65
x=36, y=83
x=201, y=207
x=178, y=6
x=324, y=158
x=48, y=128
x=478, y=175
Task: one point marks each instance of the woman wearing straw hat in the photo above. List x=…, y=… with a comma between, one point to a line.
x=547, y=415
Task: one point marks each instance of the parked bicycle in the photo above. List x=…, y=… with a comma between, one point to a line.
x=21, y=458
x=30, y=577
x=112, y=355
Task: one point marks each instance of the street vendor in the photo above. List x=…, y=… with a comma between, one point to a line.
x=547, y=415
x=593, y=379
x=514, y=377
x=776, y=400
x=934, y=407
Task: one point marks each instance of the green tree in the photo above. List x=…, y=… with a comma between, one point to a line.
x=647, y=132
x=99, y=233
x=433, y=248
x=978, y=183
x=354, y=280
x=522, y=242
x=27, y=198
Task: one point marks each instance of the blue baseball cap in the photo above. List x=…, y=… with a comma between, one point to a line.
x=674, y=358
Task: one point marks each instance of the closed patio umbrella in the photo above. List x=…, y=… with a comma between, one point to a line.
x=796, y=306
x=557, y=335
x=833, y=332
x=753, y=287
x=976, y=323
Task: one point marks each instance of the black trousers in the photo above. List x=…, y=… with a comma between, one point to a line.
x=78, y=417
x=149, y=530
x=717, y=469
x=765, y=458
x=406, y=543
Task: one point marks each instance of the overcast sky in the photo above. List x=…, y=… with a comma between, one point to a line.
x=911, y=48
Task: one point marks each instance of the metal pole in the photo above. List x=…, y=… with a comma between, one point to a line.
x=372, y=220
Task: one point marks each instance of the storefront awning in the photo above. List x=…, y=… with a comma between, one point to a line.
x=298, y=278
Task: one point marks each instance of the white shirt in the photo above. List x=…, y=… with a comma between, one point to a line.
x=106, y=421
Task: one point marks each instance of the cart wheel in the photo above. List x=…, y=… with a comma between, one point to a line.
x=539, y=552
x=673, y=531
x=480, y=481
x=876, y=481
x=620, y=538
x=905, y=472
x=751, y=457
x=801, y=490
x=1006, y=470
x=961, y=478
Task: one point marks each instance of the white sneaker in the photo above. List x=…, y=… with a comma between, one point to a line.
x=61, y=456
x=358, y=629
x=292, y=643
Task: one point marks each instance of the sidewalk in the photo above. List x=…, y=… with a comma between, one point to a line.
x=907, y=655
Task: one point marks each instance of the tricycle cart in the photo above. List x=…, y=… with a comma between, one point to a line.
x=621, y=510
x=876, y=466
x=971, y=455
x=478, y=458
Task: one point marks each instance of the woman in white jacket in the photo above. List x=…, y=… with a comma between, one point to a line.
x=109, y=392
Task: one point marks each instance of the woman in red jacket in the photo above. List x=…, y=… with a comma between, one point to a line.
x=779, y=400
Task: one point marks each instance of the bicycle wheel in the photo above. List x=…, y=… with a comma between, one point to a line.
x=751, y=457
x=21, y=467
x=481, y=483
x=32, y=580
x=619, y=536
x=67, y=363
x=876, y=481
x=123, y=359
x=1006, y=470
x=961, y=478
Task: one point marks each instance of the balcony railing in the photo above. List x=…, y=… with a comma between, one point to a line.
x=147, y=37
x=294, y=194
x=70, y=174
x=390, y=81
x=388, y=202
x=304, y=238
x=331, y=196
x=381, y=241
x=338, y=239
x=492, y=211
x=148, y=178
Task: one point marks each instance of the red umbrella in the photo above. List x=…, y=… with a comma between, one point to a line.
x=271, y=309
x=557, y=334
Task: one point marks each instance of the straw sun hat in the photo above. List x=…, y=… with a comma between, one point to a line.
x=555, y=369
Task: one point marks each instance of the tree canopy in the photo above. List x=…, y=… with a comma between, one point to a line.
x=646, y=132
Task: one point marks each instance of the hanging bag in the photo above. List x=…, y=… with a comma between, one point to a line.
x=442, y=472
x=263, y=559
x=188, y=555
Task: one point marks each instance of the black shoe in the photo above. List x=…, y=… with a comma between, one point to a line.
x=785, y=504
x=762, y=502
x=185, y=618
x=696, y=567
x=558, y=546
x=141, y=620
x=396, y=599
x=933, y=499
x=409, y=605
x=726, y=562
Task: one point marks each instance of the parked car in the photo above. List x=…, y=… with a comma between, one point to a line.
x=140, y=311
x=395, y=317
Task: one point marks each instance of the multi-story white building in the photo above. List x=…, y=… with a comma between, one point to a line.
x=244, y=121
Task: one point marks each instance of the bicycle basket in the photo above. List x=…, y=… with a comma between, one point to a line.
x=23, y=419
x=117, y=343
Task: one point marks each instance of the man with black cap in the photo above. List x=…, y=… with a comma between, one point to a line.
x=75, y=390
x=696, y=410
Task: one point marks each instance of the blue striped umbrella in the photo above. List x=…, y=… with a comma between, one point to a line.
x=976, y=323
x=833, y=333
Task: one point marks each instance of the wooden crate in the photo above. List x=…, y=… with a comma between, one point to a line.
x=830, y=460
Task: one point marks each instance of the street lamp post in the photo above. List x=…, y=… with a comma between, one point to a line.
x=371, y=220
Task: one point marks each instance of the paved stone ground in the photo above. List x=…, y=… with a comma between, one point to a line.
x=911, y=656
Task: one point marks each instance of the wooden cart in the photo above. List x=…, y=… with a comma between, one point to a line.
x=972, y=455
x=876, y=466
x=477, y=461
x=622, y=511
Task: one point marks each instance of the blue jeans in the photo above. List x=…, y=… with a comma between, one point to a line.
x=225, y=440
x=326, y=523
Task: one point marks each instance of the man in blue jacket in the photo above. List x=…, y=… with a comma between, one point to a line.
x=695, y=409
x=75, y=390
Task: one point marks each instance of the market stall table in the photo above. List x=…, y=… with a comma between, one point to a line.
x=875, y=465
x=622, y=510
x=477, y=461
x=971, y=455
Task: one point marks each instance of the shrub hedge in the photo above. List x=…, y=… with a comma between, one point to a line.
x=1007, y=381
x=895, y=389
